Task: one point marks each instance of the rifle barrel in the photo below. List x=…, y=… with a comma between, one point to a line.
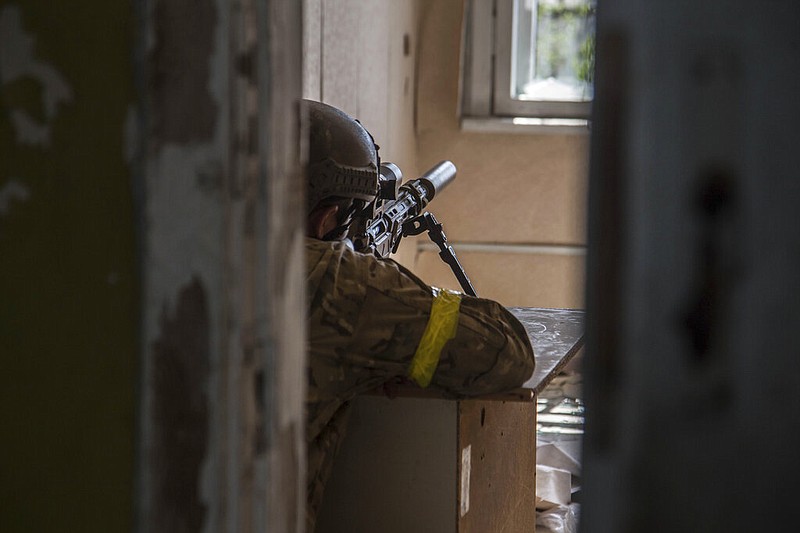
x=438, y=177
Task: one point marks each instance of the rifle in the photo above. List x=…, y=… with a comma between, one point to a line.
x=397, y=212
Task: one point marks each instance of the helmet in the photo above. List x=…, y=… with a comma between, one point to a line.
x=343, y=158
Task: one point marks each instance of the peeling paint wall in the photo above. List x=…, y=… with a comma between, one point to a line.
x=68, y=311
x=222, y=445
x=151, y=319
x=180, y=411
x=185, y=111
x=183, y=160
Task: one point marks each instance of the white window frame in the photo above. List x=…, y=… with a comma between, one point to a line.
x=486, y=84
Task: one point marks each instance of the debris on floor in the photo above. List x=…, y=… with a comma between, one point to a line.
x=558, y=455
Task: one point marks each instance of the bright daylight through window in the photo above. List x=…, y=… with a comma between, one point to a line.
x=529, y=58
x=554, y=50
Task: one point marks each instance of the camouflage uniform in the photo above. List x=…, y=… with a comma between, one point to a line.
x=366, y=318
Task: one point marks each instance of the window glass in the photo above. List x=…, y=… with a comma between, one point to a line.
x=553, y=50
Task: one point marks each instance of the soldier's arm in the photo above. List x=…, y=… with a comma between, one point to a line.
x=489, y=350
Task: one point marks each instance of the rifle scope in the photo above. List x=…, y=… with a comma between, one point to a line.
x=383, y=233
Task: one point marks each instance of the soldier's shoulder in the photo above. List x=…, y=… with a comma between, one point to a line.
x=342, y=250
x=335, y=258
x=316, y=244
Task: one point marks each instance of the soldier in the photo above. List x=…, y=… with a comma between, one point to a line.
x=370, y=319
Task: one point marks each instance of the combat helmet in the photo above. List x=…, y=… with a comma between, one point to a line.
x=343, y=158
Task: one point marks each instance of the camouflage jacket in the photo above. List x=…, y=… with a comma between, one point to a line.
x=366, y=317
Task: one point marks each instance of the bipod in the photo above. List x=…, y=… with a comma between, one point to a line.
x=427, y=222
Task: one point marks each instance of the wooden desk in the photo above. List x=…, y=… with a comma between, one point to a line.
x=424, y=462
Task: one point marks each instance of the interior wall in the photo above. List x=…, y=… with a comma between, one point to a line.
x=151, y=257
x=221, y=430
x=359, y=56
x=692, y=350
x=518, y=198
x=68, y=310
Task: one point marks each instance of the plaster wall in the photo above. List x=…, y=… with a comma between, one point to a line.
x=513, y=190
x=395, y=67
x=222, y=377
x=359, y=55
x=150, y=243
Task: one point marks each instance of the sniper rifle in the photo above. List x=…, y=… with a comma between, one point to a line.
x=397, y=212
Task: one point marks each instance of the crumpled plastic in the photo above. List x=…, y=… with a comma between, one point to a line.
x=560, y=519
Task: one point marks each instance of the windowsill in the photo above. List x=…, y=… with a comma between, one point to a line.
x=524, y=125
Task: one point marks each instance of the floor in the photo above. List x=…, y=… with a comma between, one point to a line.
x=560, y=422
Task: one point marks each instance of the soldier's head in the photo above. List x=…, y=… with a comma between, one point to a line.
x=343, y=168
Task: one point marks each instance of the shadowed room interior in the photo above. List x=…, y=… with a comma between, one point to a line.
x=152, y=317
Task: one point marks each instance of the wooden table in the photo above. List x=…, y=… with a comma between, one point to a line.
x=424, y=462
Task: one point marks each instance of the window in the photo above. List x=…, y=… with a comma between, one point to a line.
x=529, y=58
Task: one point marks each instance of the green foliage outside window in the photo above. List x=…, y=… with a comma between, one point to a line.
x=557, y=52
x=586, y=61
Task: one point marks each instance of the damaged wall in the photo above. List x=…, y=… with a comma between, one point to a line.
x=222, y=389
x=183, y=158
x=151, y=256
x=68, y=311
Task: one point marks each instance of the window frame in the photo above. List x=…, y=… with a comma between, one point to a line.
x=489, y=31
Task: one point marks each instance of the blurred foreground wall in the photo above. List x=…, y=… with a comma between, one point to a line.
x=68, y=271
x=692, y=352
x=151, y=321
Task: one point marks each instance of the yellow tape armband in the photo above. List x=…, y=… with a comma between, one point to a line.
x=441, y=328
